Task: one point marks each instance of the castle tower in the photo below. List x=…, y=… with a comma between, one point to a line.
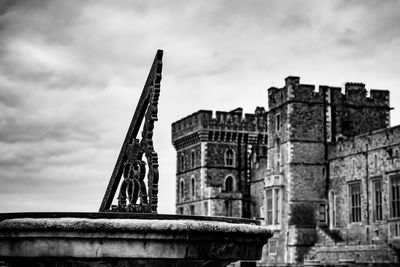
x=302, y=124
x=213, y=161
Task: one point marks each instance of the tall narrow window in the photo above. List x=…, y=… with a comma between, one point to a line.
x=375, y=163
x=377, y=200
x=182, y=162
x=269, y=206
x=276, y=206
x=322, y=213
x=192, y=157
x=332, y=209
x=272, y=206
x=355, y=202
x=229, y=157
x=395, y=196
x=182, y=189
x=278, y=122
x=229, y=184
x=278, y=155
x=192, y=187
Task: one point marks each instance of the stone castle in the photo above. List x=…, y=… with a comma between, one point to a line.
x=320, y=168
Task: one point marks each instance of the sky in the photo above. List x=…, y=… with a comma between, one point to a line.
x=71, y=73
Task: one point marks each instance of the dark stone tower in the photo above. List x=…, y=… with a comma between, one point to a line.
x=213, y=161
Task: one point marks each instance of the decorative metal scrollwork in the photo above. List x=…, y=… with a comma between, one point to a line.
x=133, y=195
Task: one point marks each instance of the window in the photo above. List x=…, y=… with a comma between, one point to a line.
x=182, y=189
x=377, y=200
x=180, y=211
x=216, y=136
x=222, y=138
x=355, y=202
x=272, y=198
x=332, y=209
x=192, y=159
x=375, y=163
x=229, y=184
x=228, y=136
x=272, y=247
x=276, y=206
x=322, y=213
x=192, y=187
x=182, y=162
x=278, y=155
x=395, y=196
x=269, y=206
x=396, y=227
x=278, y=122
x=210, y=136
x=229, y=157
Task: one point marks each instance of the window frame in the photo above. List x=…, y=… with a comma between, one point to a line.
x=182, y=190
x=274, y=211
x=377, y=204
x=270, y=247
x=322, y=210
x=192, y=158
x=355, y=204
x=232, y=185
x=192, y=187
x=227, y=153
x=391, y=197
x=278, y=122
x=278, y=146
x=182, y=167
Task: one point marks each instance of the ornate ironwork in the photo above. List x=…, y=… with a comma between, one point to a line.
x=133, y=195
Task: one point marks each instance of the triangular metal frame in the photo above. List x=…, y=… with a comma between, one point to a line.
x=146, y=108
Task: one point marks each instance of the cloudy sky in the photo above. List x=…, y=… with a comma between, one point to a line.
x=71, y=73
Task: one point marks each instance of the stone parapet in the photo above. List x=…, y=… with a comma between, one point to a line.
x=108, y=238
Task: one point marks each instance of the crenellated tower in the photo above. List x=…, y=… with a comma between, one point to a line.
x=302, y=123
x=213, y=161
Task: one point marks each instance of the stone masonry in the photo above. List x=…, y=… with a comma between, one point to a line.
x=320, y=168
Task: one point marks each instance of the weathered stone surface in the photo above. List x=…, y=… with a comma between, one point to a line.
x=131, y=240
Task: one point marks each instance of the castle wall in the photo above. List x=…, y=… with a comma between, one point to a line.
x=365, y=159
x=310, y=146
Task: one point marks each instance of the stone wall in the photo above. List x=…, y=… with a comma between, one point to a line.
x=363, y=159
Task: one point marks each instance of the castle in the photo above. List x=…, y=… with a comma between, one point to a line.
x=320, y=168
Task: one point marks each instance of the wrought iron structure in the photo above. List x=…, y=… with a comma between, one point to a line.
x=134, y=196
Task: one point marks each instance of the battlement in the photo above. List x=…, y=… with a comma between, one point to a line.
x=354, y=94
x=232, y=120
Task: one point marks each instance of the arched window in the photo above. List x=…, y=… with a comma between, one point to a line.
x=229, y=157
x=182, y=162
x=278, y=155
x=192, y=159
x=182, y=189
x=229, y=183
x=192, y=187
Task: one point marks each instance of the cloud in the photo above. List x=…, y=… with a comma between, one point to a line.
x=72, y=73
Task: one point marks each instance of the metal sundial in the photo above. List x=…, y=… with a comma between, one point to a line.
x=134, y=196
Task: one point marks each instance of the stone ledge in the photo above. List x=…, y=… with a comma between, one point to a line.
x=185, y=239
